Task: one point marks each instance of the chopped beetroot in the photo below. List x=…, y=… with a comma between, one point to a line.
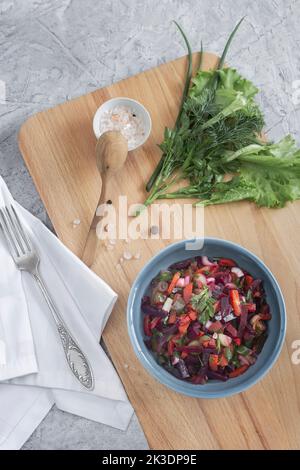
x=225, y=306
x=216, y=326
x=231, y=331
x=243, y=320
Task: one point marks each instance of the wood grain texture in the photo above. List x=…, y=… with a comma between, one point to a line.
x=58, y=147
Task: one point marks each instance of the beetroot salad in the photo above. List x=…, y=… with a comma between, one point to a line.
x=205, y=319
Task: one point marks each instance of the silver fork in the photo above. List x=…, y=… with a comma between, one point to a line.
x=26, y=259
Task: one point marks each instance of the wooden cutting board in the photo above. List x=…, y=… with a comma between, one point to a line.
x=58, y=147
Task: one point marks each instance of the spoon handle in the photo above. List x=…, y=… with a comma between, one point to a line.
x=91, y=244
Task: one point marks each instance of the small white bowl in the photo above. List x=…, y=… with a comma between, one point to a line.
x=137, y=108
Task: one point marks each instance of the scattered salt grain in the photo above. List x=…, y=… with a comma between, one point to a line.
x=76, y=222
x=99, y=211
x=123, y=119
x=126, y=366
x=112, y=242
x=137, y=256
x=127, y=255
x=110, y=247
x=121, y=260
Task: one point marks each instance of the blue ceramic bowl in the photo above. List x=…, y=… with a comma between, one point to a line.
x=276, y=327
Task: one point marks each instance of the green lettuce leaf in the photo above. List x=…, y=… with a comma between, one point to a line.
x=230, y=79
x=200, y=82
x=269, y=175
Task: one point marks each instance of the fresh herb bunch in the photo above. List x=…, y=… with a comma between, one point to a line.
x=217, y=132
x=203, y=303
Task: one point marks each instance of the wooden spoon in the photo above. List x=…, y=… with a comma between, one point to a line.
x=111, y=154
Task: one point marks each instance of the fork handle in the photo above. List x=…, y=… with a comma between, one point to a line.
x=76, y=359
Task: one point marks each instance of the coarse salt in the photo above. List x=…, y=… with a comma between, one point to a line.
x=124, y=120
x=127, y=255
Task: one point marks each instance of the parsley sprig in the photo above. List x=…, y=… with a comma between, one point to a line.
x=203, y=303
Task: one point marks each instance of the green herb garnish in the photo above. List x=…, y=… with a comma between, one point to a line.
x=203, y=303
x=165, y=276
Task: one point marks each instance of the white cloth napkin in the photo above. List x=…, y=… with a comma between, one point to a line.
x=33, y=371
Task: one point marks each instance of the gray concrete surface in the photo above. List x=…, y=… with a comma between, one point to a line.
x=55, y=50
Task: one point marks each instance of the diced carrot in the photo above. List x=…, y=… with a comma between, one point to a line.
x=173, y=282
x=184, y=319
x=204, y=338
x=203, y=270
x=184, y=324
x=238, y=371
x=193, y=315
x=187, y=292
x=227, y=262
x=223, y=362
x=248, y=280
x=235, y=301
x=213, y=361
x=171, y=347
x=172, y=318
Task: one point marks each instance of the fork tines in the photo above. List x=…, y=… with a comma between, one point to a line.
x=14, y=232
